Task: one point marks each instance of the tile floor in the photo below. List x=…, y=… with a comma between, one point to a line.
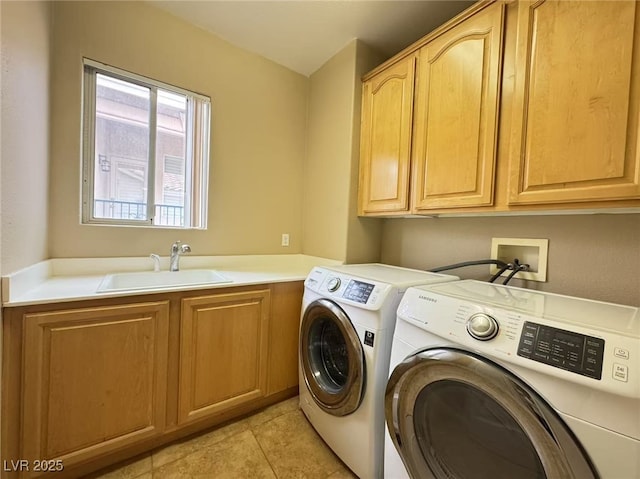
x=277, y=442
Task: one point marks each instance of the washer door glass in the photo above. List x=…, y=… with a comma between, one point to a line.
x=452, y=414
x=332, y=358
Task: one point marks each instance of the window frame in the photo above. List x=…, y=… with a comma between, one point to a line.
x=197, y=148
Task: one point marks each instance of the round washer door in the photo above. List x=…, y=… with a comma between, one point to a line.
x=332, y=358
x=453, y=414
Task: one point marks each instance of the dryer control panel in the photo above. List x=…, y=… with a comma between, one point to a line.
x=563, y=349
x=548, y=336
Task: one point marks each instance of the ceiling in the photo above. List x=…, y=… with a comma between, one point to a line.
x=303, y=34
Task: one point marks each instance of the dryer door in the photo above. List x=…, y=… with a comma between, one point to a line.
x=332, y=358
x=453, y=414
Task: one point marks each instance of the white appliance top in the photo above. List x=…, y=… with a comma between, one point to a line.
x=368, y=286
x=595, y=315
x=396, y=276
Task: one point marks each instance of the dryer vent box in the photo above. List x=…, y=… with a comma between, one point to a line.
x=531, y=251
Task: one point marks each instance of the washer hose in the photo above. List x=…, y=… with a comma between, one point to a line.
x=515, y=267
x=497, y=262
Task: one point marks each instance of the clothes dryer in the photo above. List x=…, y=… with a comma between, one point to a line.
x=498, y=382
x=347, y=323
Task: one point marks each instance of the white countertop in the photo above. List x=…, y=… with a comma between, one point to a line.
x=72, y=279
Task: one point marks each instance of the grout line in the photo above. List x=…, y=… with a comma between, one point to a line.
x=249, y=428
x=264, y=454
x=200, y=448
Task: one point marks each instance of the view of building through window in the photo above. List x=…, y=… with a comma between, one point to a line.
x=124, y=128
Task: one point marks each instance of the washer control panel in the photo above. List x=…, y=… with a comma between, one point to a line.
x=562, y=349
x=358, y=291
x=366, y=294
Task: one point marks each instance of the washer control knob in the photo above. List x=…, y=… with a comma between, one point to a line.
x=333, y=284
x=482, y=327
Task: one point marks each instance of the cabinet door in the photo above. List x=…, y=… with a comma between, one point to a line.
x=385, y=145
x=455, y=133
x=575, y=126
x=284, y=333
x=94, y=380
x=223, y=352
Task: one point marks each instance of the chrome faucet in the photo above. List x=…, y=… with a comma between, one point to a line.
x=177, y=249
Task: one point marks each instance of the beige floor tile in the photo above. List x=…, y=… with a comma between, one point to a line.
x=294, y=449
x=178, y=450
x=130, y=470
x=239, y=456
x=273, y=412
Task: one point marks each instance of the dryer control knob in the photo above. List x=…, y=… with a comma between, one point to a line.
x=333, y=284
x=482, y=327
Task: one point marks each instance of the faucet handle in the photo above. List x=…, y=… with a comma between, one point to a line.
x=156, y=261
x=180, y=247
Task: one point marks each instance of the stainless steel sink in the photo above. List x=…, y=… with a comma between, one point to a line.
x=159, y=280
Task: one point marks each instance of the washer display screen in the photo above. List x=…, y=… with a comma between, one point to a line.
x=358, y=291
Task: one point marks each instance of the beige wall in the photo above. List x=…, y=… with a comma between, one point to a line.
x=258, y=131
x=331, y=226
x=25, y=29
x=25, y=43
x=593, y=256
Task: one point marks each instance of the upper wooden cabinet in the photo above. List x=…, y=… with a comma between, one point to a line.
x=434, y=145
x=455, y=129
x=575, y=123
x=518, y=106
x=385, y=148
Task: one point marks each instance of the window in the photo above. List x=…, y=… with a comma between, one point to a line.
x=145, y=151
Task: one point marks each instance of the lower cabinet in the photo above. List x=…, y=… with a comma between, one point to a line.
x=89, y=383
x=284, y=333
x=94, y=380
x=223, y=352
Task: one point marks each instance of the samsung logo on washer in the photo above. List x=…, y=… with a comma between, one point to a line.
x=427, y=298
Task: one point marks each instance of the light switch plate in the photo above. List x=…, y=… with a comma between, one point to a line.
x=531, y=251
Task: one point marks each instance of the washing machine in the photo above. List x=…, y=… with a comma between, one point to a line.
x=347, y=322
x=493, y=381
